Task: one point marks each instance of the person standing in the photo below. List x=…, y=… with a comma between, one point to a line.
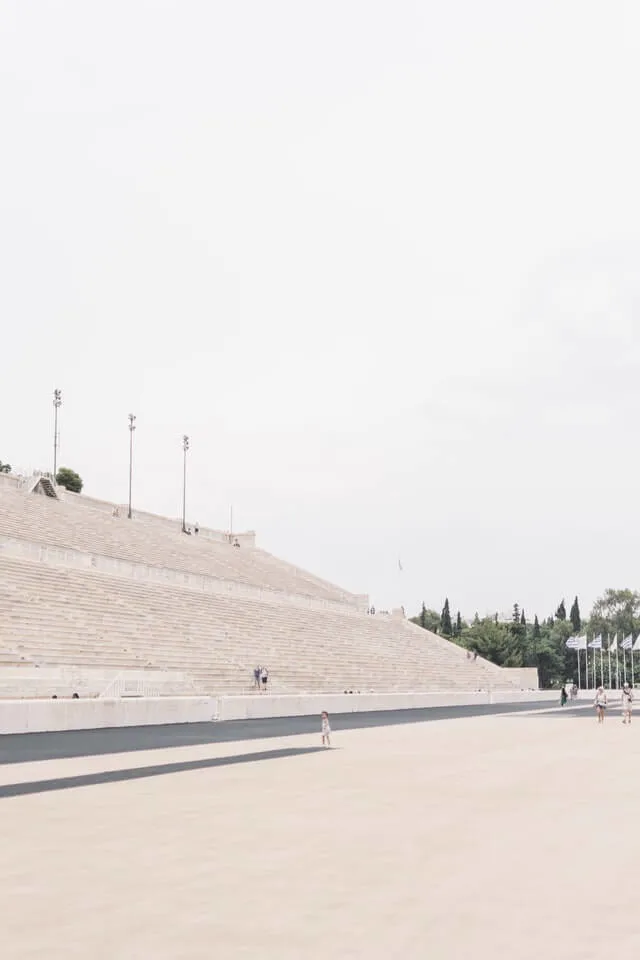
x=600, y=704
x=264, y=676
x=256, y=678
x=326, y=729
x=563, y=696
x=627, y=703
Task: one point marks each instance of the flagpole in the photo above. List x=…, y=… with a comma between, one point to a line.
x=609, y=656
x=578, y=655
x=624, y=662
x=594, y=667
x=617, y=668
x=632, y=677
x=601, y=665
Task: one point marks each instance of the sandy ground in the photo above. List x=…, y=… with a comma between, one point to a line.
x=509, y=836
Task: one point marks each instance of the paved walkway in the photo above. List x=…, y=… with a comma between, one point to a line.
x=475, y=837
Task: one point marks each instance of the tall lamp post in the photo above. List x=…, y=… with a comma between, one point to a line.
x=57, y=403
x=132, y=426
x=185, y=447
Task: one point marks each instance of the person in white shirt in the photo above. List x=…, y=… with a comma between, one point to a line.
x=600, y=704
x=326, y=730
x=627, y=703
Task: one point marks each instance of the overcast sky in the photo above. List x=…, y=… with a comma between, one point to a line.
x=379, y=260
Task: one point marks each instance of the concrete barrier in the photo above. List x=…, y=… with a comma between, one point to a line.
x=265, y=705
x=34, y=716
x=31, y=716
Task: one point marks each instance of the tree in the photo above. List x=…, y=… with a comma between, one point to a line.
x=69, y=479
x=427, y=619
x=523, y=619
x=574, y=616
x=536, y=628
x=446, y=627
x=516, y=613
x=616, y=611
x=5, y=467
x=457, y=630
x=561, y=612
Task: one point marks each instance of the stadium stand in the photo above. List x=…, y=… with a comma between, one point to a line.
x=96, y=602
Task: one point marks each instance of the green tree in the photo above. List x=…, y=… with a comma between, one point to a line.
x=5, y=467
x=523, y=619
x=616, y=611
x=69, y=479
x=536, y=628
x=561, y=612
x=446, y=627
x=574, y=616
x=457, y=629
x=427, y=619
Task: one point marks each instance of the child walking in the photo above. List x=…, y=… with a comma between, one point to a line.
x=627, y=703
x=326, y=730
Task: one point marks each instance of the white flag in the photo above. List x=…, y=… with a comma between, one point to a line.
x=572, y=643
x=596, y=643
x=614, y=643
x=636, y=645
x=627, y=643
x=582, y=643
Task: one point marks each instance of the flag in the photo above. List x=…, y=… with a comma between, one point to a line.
x=400, y=567
x=614, y=643
x=577, y=643
x=596, y=643
x=636, y=645
x=627, y=642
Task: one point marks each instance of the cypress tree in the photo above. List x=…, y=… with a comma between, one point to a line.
x=561, y=612
x=446, y=627
x=536, y=628
x=423, y=617
x=574, y=616
x=523, y=619
x=457, y=630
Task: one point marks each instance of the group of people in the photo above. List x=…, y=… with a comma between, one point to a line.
x=601, y=703
x=260, y=678
x=571, y=695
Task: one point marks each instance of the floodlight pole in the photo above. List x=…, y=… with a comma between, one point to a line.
x=57, y=403
x=132, y=426
x=185, y=447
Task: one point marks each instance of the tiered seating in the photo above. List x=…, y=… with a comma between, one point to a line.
x=64, y=524
x=58, y=616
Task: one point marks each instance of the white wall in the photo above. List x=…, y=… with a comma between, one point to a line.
x=31, y=716
x=254, y=707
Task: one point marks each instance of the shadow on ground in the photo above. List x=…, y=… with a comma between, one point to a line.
x=141, y=773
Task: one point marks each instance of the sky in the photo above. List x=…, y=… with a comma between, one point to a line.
x=379, y=260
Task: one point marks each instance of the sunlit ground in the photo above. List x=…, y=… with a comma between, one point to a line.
x=511, y=836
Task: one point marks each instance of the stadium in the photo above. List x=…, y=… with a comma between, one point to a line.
x=104, y=606
x=380, y=262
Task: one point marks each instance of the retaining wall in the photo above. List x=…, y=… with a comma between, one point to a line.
x=31, y=716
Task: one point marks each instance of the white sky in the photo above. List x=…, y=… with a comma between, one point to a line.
x=378, y=260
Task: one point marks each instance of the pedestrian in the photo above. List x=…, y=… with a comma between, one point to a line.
x=600, y=704
x=627, y=702
x=326, y=729
x=264, y=676
x=563, y=696
x=256, y=678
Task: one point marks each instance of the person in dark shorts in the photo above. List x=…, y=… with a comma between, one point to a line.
x=264, y=676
